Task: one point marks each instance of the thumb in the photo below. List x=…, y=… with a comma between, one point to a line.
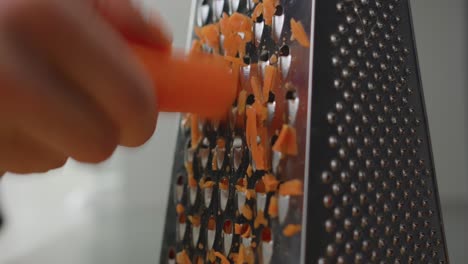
x=124, y=16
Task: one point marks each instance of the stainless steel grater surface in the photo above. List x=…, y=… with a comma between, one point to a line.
x=345, y=171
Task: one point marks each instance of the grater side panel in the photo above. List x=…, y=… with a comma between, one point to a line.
x=372, y=190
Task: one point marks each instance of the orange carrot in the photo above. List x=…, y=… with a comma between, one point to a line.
x=247, y=212
x=269, y=9
x=299, y=33
x=246, y=230
x=231, y=45
x=250, y=194
x=211, y=256
x=183, y=258
x=195, y=220
x=188, y=84
x=269, y=80
x=196, y=47
x=292, y=187
x=208, y=184
x=192, y=181
x=209, y=34
x=249, y=171
x=242, y=99
x=271, y=183
x=180, y=209
x=241, y=255
x=287, y=141
x=237, y=229
x=257, y=11
x=255, y=84
x=273, y=207
x=290, y=230
x=234, y=60
x=189, y=168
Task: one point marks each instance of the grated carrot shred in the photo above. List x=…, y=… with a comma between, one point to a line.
x=234, y=60
x=292, y=187
x=183, y=258
x=255, y=84
x=237, y=229
x=291, y=229
x=287, y=141
x=247, y=212
x=271, y=183
x=269, y=9
x=180, y=209
x=192, y=181
x=195, y=220
x=250, y=194
x=299, y=34
x=212, y=256
x=241, y=255
x=208, y=184
x=273, y=207
x=209, y=35
x=257, y=11
x=241, y=101
x=269, y=80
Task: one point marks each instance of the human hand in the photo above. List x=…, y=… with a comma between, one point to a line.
x=69, y=84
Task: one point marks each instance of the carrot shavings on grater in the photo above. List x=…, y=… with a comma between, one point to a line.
x=299, y=34
x=183, y=258
x=290, y=230
x=180, y=209
x=292, y=187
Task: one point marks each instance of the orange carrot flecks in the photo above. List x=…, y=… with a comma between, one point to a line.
x=209, y=35
x=192, y=182
x=270, y=182
x=287, y=141
x=241, y=101
x=269, y=9
x=247, y=212
x=255, y=84
x=257, y=11
x=292, y=187
x=269, y=80
x=183, y=258
x=299, y=34
x=273, y=207
x=291, y=229
x=237, y=229
x=180, y=209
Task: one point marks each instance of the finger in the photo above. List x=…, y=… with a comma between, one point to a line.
x=124, y=16
x=35, y=99
x=93, y=56
x=20, y=153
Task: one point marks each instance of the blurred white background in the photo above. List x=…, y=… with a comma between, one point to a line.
x=114, y=213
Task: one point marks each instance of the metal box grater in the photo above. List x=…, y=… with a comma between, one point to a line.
x=355, y=102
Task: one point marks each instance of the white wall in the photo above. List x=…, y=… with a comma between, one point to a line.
x=442, y=40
